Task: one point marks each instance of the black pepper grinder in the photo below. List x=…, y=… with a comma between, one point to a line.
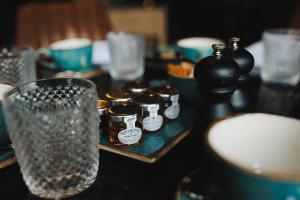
x=240, y=99
x=216, y=76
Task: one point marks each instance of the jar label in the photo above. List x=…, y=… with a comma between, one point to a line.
x=154, y=121
x=172, y=112
x=131, y=134
x=174, y=99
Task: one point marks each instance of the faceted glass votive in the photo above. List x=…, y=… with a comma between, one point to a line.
x=127, y=55
x=17, y=65
x=53, y=125
x=282, y=56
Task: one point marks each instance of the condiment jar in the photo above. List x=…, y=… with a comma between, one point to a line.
x=137, y=87
x=170, y=96
x=124, y=126
x=103, y=123
x=152, y=118
x=116, y=97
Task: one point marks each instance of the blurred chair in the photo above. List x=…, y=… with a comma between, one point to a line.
x=151, y=22
x=295, y=21
x=40, y=24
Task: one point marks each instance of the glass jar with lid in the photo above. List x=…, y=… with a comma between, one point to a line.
x=116, y=97
x=137, y=87
x=103, y=123
x=170, y=96
x=152, y=116
x=124, y=126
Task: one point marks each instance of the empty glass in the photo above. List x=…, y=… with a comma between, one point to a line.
x=54, y=126
x=127, y=55
x=282, y=56
x=17, y=65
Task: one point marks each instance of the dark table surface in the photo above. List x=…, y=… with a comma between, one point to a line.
x=124, y=178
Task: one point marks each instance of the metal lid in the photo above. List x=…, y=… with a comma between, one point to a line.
x=165, y=91
x=148, y=100
x=117, y=113
x=234, y=42
x=217, y=49
x=119, y=96
x=102, y=107
x=137, y=86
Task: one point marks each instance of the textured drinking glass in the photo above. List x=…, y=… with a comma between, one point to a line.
x=282, y=56
x=17, y=65
x=54, y=126
x=127, y=55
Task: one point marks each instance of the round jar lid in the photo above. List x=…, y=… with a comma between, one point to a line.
x=165, y=91
x=148, y=100
x=119, y=96
x=119, y=112
x=137, y=86
x=102, y=107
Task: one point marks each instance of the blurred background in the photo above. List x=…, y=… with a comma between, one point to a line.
x=163, y=21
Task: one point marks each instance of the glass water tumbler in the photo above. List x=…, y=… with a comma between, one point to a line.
x=17, y=65
x=127, y=55
x=54, y=126
x=282, y=56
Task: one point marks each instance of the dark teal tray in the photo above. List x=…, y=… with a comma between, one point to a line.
x=156, y=145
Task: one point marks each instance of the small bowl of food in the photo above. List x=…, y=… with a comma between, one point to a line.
x=181, y=76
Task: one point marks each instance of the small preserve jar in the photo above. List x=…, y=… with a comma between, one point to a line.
x=124, y=126
x=116, y=97
x=103, y=123
x=152, y=118
x=137, y=87
x=170, y=96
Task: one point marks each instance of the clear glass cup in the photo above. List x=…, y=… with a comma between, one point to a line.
x=53, y=125
x=127, y=55
x=282, y=56
x=17, y=65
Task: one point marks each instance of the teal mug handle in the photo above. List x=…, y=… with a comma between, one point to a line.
x=47, y=64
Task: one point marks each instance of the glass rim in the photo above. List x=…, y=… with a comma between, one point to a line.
x=17, y=88
x=14, y=51
x=282, y=32
x=125, y=33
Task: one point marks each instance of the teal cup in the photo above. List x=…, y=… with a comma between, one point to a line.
x=72, y=54
x=259, y=156
x=196, y=48
x=4, y=141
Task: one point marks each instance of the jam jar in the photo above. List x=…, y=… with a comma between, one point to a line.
x=116, y=97
x=152, y=118
x=170, y=96
x=103, y=123
x=124, y=125
x=137, y=87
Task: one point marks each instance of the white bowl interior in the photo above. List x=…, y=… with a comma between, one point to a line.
x=3, y=89
x=72, y=43
x=198, y=42
x=259, y=143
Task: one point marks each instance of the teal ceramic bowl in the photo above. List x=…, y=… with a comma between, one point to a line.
x=259, y=155
x=73, y=54
x=196, y=48
x=187, y=88
x=3, y=131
